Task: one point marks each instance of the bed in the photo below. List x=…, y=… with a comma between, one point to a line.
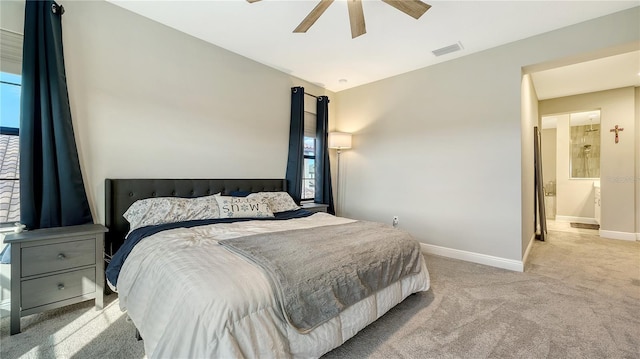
x=241, y=287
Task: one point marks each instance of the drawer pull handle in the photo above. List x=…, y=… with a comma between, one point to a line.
x=60, y=286
x=61, y=256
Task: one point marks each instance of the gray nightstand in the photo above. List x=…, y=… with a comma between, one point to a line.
x=55, y=267
x=315, y=207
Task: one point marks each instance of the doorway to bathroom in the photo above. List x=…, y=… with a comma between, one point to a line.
x=570, y=146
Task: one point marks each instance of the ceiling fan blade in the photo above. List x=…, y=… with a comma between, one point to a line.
x=313, y=16
x=413, y=8
x=356, y=18
x=252, y=1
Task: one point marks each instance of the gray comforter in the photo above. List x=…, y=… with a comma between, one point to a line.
x=316, y=273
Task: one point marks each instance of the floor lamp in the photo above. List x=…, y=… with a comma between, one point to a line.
x=339, y=141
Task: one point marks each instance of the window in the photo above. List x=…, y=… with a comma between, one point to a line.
x=309, y=169
x=309, y=154
x=10, y=64
x=9, y=147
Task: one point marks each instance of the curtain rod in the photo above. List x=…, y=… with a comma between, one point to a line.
x=308, y=94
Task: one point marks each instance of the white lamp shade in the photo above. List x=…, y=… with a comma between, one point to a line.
x=339, y=140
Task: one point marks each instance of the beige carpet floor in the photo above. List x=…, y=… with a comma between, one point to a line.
x=578, y=298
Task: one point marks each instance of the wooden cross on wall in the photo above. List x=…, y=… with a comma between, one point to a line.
x=616, y=129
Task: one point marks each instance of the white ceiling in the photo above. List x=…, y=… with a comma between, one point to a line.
x=394, y=43
x=597, y=75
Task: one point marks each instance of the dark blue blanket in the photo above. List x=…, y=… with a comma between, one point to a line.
x=113, y=269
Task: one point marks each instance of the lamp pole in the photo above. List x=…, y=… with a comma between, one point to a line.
x=338, y=207
x=339, y=141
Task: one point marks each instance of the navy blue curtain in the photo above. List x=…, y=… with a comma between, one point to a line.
x=296, y=144
x=324, y=192
x=52, y=192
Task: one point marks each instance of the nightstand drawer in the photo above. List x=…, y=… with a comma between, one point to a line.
x=55, y=267
x=54, y=288
x=59, y=256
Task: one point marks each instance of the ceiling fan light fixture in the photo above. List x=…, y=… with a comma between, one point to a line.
x=413, y=8
x=356, y=18
x=313, y=16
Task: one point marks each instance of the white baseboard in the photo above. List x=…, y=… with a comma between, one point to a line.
x=498, y=262
x=529, y=246
x=625, y=236
x=586, y=220
x=637, y=236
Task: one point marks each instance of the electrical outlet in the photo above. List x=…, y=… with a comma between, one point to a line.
x=396, y=220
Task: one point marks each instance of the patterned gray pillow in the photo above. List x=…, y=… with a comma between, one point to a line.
x=278, y=201
x=243, y=207
x=161, y=210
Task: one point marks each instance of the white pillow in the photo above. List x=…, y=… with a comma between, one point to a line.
x=243, y=207
x=278, y=201
x=161, y=210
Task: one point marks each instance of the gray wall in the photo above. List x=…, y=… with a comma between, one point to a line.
x=149, y=101
x=637, y=152
x=529, y=120
x=441, y=146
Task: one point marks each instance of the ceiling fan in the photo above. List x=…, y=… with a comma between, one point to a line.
x=413, y=8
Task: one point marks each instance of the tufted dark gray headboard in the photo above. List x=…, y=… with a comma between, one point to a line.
x=121, y=193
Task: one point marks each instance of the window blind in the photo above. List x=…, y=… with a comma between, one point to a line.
x=310, y=109
x=309, y=124
x=11, y=51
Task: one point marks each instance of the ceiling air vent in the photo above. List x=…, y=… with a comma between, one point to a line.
x=447, y=49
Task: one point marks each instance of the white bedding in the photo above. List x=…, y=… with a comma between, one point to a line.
x=191, y=298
